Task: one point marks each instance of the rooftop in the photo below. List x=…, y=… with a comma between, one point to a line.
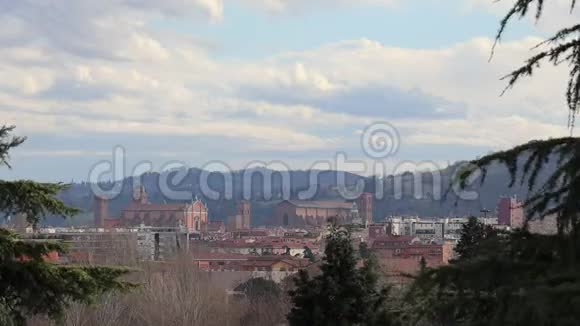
x=320, y=204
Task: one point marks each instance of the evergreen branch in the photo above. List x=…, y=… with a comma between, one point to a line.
x=8, y=142
x=568, y=51
x=29, y=285
x=34, y=200
x=556, y=195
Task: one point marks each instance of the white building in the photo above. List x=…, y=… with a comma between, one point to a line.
x=448, y=229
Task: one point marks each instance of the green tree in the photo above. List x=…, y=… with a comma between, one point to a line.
x=514, y=279
x=519, y=278
x=363, y=250
x=471, y=235
x=29, y=285
x=342, y=294
x=308, y=254
x=559, y=193
x=562, y=48
x=259, y=288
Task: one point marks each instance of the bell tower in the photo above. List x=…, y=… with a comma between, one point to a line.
x=140, y=195
x=101, y=211
x=244, y=210
x=365, y=207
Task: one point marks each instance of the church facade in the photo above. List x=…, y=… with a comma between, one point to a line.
x=192, y=216
x=315, y=213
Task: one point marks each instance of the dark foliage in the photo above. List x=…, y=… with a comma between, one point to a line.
x=308, y=254
x=472, y=234
x=515, y=279
x=7, y=142
x=343, y=294
x=563, y=47
x=518, y=278
x=364, y=250
x=259, y=288
x=559, y=194
x=29, y=285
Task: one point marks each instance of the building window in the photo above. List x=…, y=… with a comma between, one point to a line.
x=285, y=222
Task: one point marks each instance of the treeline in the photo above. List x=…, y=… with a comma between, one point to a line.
x=179, y=295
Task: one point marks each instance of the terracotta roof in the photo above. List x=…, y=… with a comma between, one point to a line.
x=252, y=233
x=264, y=243
x=271, y=260
x=392, y=241
x=111, y=223
x=320, y=204
x=219, y=256
x=155, y=207
x=396, y=238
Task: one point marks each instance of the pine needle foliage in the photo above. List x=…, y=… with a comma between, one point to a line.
x=514, y=279
x=29, y=284
x=7, y=142
x=558, y=195
x=562, y=47
x=518, y=278
x=343, y=294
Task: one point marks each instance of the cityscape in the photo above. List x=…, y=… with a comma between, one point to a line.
x=149, y=232
x=289, y=163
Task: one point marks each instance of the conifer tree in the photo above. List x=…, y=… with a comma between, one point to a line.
x=363, y=250
x=308, y=254
x=29, y=285
x=342, y=294
x=559, y=194
x=471, y=235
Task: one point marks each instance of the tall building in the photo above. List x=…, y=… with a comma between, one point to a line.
x=244, y=209
x=365, y=207
x=101, y=211
x=140, y=196
x=242, y=219
x=510, y=212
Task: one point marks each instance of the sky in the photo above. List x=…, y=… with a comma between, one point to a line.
x=226, y=83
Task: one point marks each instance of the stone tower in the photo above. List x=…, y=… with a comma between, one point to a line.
x=510, y=211
x=365, y=207
x=101, y=211
x=244, y=210
x=140, y=195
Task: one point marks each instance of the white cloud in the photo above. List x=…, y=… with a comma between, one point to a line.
x=61, y=153
x=134, y=96
x=293, y=6
x=556, y=13
x=104, y=71
x=102, y=29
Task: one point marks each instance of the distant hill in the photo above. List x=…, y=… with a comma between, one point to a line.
x=394, y=202
x=80, y=195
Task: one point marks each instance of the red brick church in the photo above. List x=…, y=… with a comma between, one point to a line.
x=302, y=213
x=193, y=216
